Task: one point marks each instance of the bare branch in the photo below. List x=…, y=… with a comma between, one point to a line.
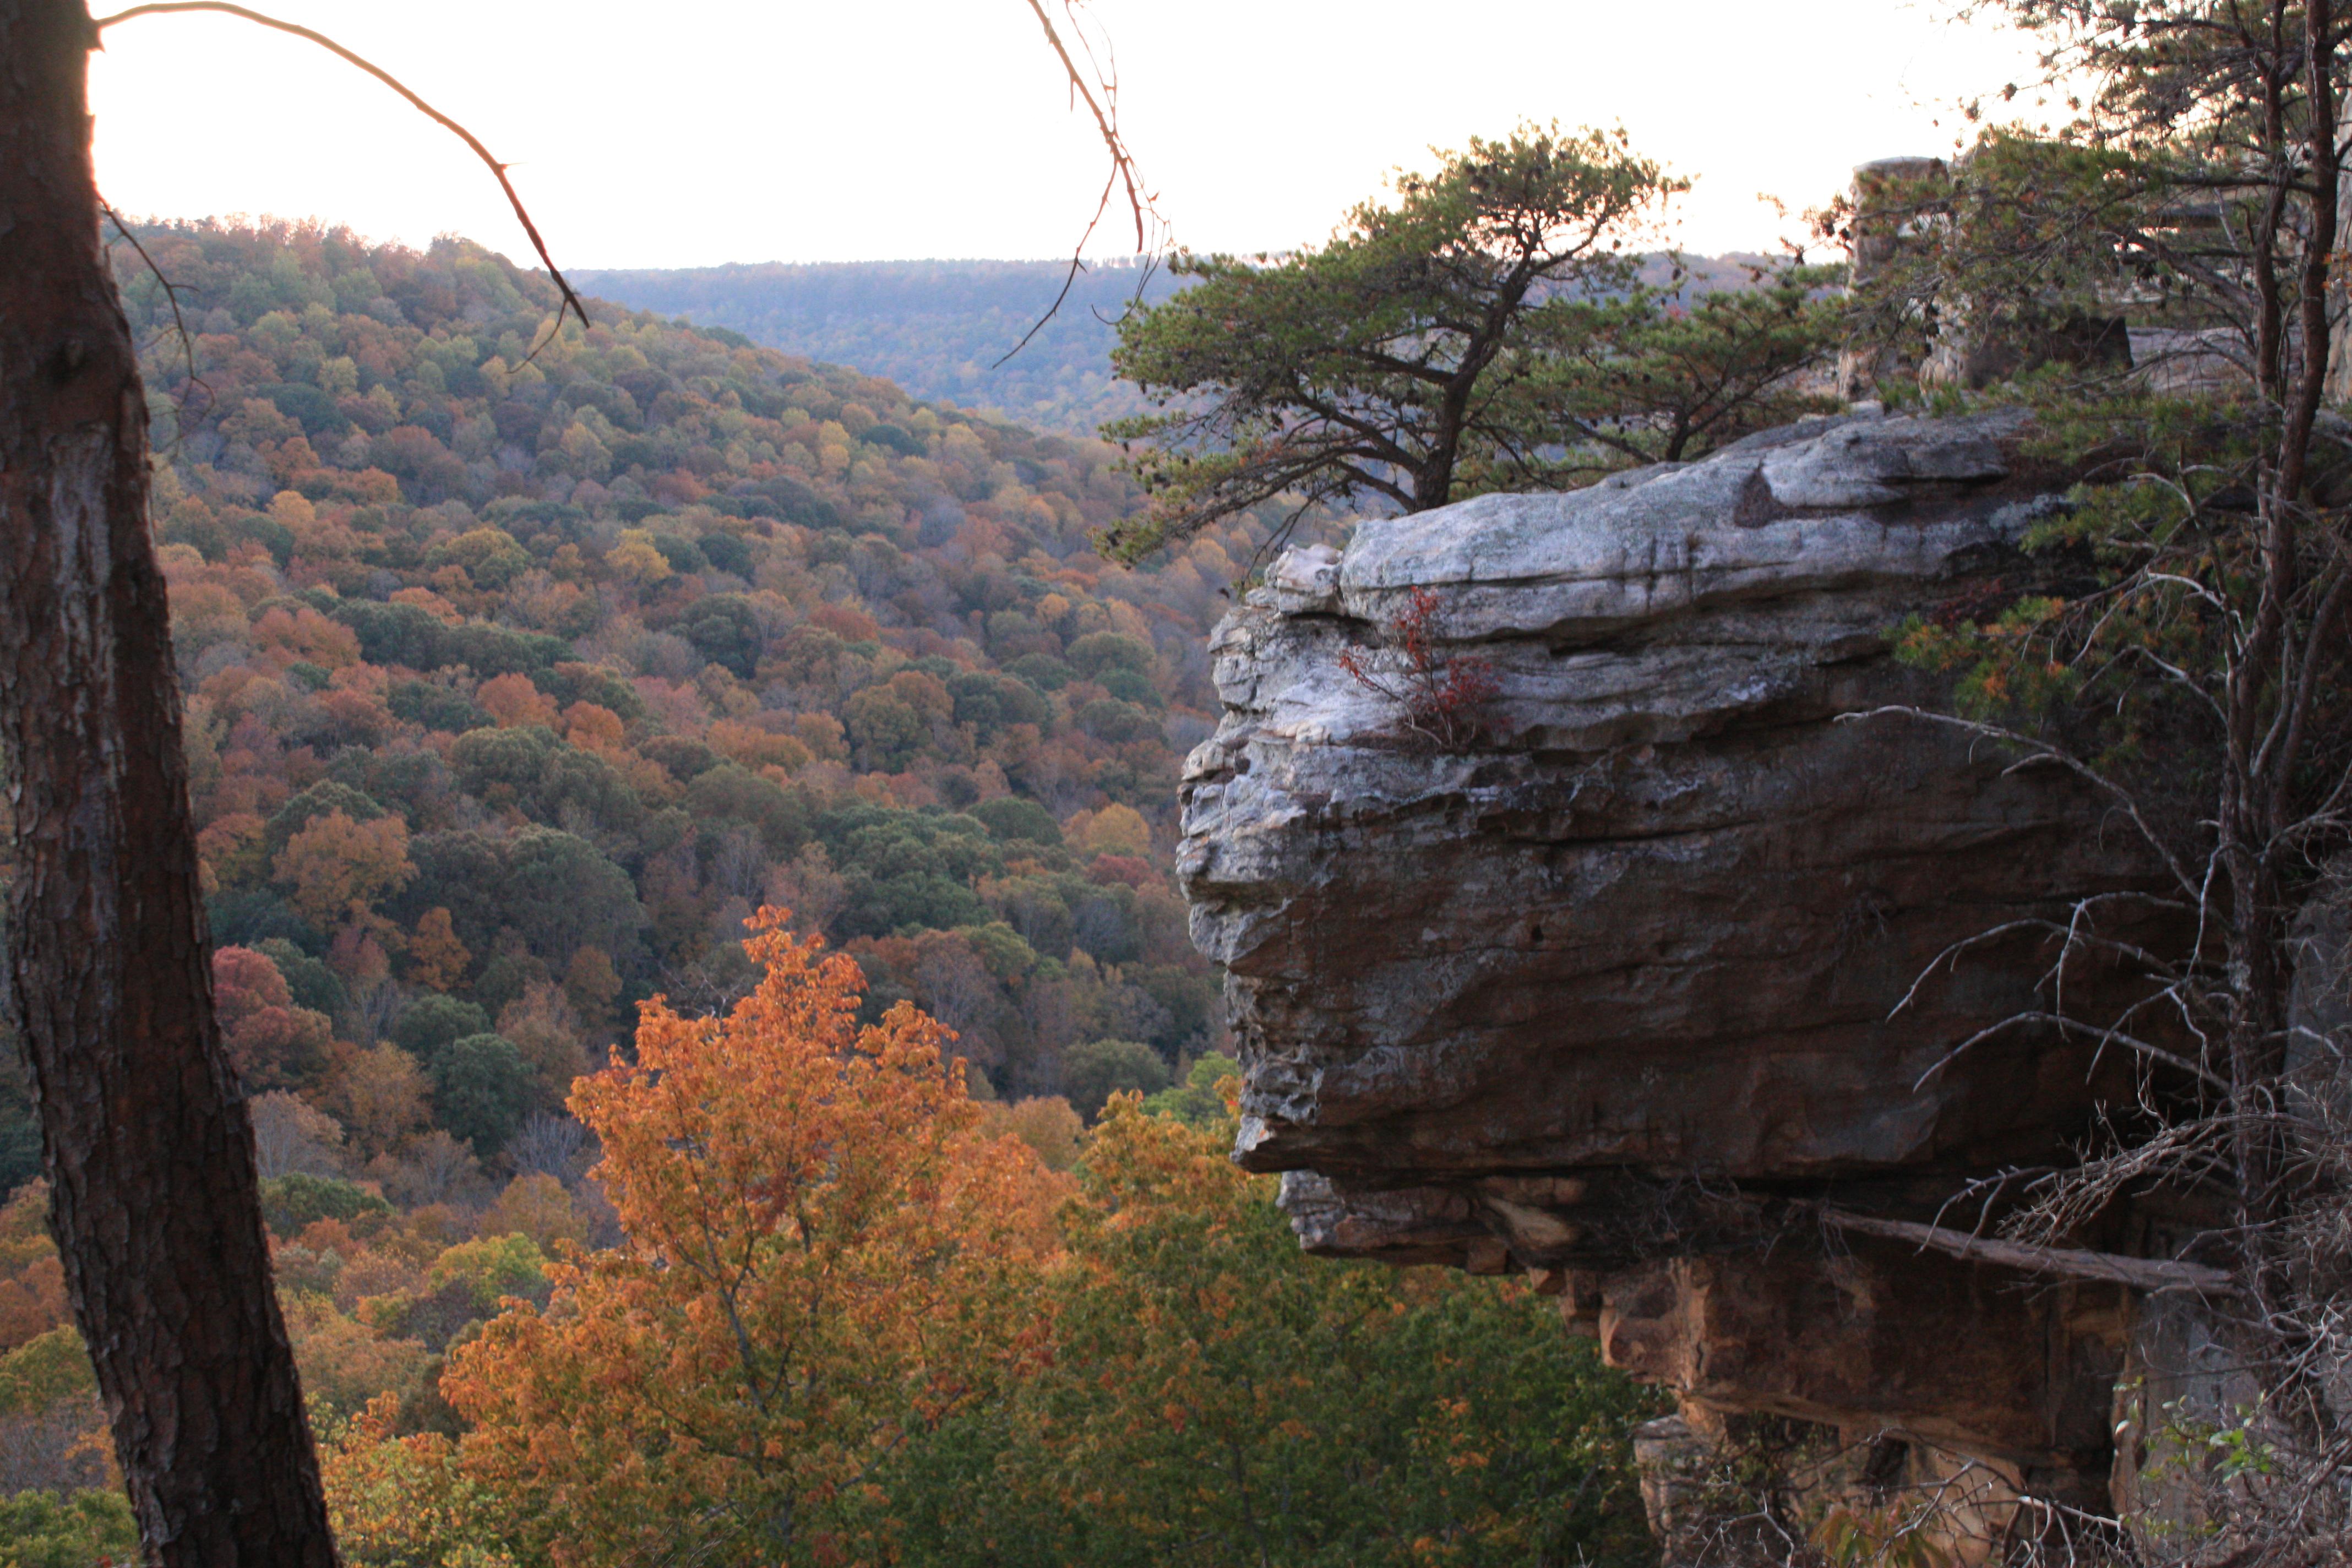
x=570, y=301
x=2071, y=932
x=1069, y=277
x=2108, y=1035
x=2042, y=753
x=1100, y=95
x=179, y=323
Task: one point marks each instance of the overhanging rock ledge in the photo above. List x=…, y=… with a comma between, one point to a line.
x=1612, y=993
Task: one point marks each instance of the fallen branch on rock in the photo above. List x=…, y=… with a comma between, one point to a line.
x=2149, y=1274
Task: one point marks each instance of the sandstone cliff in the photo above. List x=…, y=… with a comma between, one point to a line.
x=1610, y=990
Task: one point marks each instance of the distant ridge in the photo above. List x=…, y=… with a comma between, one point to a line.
x=936, y=328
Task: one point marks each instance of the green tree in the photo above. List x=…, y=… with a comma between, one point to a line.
x=730, y=793
x=482, y=1091
x=431, y=1022
x=1195, y=1101
x=1216, y=1396
x=1095, y=1071
x=292, y=1201
x=724, y=630
x=561, y=892
x=310, y=983
x=489, y=555
x=43, y=1370
x=492, y=1268
x=322, y=799
x=504, y=766
x=1100, y=652
x=990, y=703
x=1012, y=818
x=51, y=1530
x=1668, y=374
x=1387, y=364
x=886, y=730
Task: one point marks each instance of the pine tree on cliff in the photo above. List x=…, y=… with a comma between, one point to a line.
x=2200, y=186
x=2193, y=662
x=1490, y=330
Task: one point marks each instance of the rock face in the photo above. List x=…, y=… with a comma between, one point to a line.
x=1616, y=987
x=1902, y=213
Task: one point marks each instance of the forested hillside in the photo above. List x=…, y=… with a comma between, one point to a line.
x=514, y=683
x=936, y=328
x=517, y=675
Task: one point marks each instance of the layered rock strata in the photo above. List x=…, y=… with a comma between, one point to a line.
x=1671, y=947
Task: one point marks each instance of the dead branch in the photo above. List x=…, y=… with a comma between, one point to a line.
x=570, y=301
x=2146, y=1274
x=1105, y=109
x=1100, y=96
x=2107, y=1036
x=2039, y=752
x=2179, y=1153
x=2075, y=938
x=179, y=324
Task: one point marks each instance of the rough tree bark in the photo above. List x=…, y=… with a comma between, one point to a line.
x=155, y=1202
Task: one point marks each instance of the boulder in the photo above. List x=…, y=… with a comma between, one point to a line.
x=1598, y=894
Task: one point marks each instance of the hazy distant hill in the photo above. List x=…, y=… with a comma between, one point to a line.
x=936, y=328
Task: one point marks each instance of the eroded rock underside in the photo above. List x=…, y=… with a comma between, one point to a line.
x=1611, y=992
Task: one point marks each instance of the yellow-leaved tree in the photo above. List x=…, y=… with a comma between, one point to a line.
x=824, y=1257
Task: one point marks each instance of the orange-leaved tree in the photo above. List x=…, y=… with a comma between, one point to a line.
x=824, y=1258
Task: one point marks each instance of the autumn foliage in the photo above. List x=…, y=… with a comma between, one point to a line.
x=516, y=667
x=512, y=689
x=1216, y=1397
x=853, y=1322
x=1443, y=701
x=823, y=1256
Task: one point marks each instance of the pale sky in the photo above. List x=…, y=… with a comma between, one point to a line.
x=692, y=132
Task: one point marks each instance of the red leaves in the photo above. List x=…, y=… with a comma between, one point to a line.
x=1447, y=701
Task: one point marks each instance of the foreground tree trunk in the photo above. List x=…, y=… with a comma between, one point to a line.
x=154, y=1202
